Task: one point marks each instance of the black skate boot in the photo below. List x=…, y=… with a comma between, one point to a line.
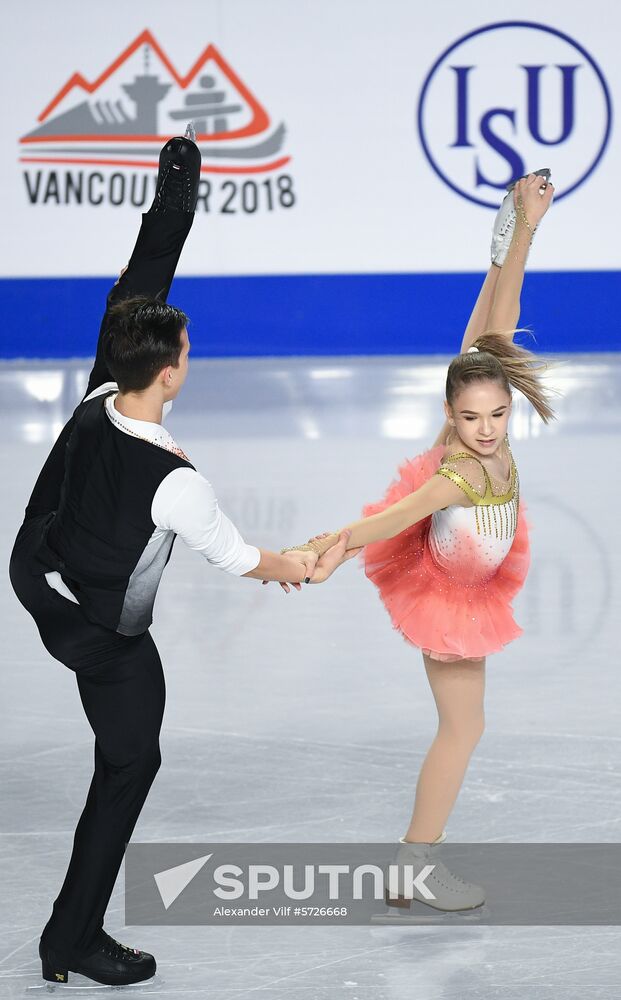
x=178, y=175
x=113, y=964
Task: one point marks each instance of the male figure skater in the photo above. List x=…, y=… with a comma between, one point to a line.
x=97, y=534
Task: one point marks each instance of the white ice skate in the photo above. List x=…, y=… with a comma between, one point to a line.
x=450, y=892
x=504, y=223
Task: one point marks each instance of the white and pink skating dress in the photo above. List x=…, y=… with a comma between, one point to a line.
x=448, y=581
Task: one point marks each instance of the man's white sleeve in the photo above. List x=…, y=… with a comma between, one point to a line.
x=185, y=503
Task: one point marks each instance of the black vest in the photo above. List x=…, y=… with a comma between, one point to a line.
x=99, y=538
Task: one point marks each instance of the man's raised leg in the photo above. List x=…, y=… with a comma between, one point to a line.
x=150, y=272
x=163, y=232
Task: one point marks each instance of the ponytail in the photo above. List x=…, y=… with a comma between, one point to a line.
x=498, y=358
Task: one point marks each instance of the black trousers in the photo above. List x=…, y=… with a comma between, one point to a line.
x=120, y=679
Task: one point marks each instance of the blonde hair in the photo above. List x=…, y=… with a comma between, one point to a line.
x=498, y=358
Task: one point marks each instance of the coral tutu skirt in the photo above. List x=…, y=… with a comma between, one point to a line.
x=448, y=618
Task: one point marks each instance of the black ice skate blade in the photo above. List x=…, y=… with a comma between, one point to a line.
x=421, y=914
x=81, y=986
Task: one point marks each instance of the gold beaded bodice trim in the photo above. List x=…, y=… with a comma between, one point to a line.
x=489, y=497
x=494, y=514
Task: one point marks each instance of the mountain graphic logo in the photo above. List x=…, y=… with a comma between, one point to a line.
x=172, y=881
x=124, y=115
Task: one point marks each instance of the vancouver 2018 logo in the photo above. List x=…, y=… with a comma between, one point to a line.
x=97, y=141
x=508, y=98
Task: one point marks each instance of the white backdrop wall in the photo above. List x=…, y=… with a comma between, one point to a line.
x=314, y=162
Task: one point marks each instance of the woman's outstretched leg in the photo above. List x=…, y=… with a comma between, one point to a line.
x=458, y=689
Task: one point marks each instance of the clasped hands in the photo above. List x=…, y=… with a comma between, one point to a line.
x=319, y=568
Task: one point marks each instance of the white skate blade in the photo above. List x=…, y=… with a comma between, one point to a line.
x=81, y=986
x=421, y=913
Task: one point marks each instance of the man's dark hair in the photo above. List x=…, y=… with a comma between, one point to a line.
x=144, y=336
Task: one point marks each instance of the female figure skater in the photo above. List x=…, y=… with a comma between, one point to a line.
x=448, y=547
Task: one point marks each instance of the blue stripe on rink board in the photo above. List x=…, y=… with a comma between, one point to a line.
x=317, y=314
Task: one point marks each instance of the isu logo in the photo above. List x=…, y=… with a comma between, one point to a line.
x=98, y=141
x=511, y=97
